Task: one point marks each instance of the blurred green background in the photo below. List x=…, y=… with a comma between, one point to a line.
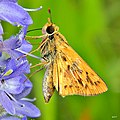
x=92, y=28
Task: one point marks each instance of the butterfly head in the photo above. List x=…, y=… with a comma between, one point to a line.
x=49, y=28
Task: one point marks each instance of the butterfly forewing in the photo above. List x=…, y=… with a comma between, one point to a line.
x=74, y=76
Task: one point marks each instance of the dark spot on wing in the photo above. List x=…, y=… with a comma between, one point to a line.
x=88, y=79
x=62, y=38
x=77, y=86
x=92, y=74
x=64, y=75
x=87, y=73
x=65, y=86
x=75, y=81
x=91, y=82
x=68, y=67
x=96, y=83
x=86, y=86
x=60, y=70
x=55, y=50
x=64, y=58
x=76, y=67
x=70, y=86
x=80, y=81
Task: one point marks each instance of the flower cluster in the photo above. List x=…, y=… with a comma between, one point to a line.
x=14, y=85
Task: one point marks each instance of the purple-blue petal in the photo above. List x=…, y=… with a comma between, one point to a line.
x=24, y=118
x=9, y=1
x=27, y=109
x=27, y=88
x=1, y=29
x=14, y=47
x=24, y=93
x=11, y=64
x=14, y=14
x=10, y=118
x=14, y=54
x=26, y=81
x=1, y=45
x=18, y=85
x=3, y=62
x=12, y=43
x=0, y=54
x=19, y=70
x=15, y=85
x=23, y=32
x=6, y=103
x=26, y=46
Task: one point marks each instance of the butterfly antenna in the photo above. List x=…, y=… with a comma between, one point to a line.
x=34, y=29
x=49, y=11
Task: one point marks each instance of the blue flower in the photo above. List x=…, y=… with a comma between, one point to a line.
x=12, y=78
x=15, y=46
x=17, y=107
x=11, y=118
x=14, y=85
x=23, y=108
x=14, y=13
x=9, y=1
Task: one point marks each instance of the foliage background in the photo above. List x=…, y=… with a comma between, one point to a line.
x=92, y=28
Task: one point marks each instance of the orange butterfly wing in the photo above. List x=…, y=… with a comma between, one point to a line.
x=72, y=75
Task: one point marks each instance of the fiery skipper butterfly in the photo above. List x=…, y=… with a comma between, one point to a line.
x=65, y=71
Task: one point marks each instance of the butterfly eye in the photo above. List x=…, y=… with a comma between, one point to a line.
x=50, y=29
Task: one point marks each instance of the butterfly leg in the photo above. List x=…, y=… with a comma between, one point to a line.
x=34, y=37
x=39, y=64
x=36, y=72
x=31, y=53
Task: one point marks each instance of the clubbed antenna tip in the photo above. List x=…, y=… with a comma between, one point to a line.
x=49, y=11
